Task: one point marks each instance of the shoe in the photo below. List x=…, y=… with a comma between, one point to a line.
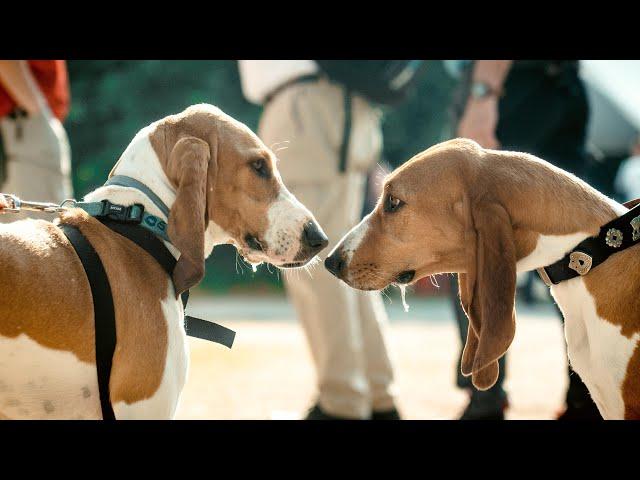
x=587, y=411
x=316, y=413
x=386, y=415
x=485, y=410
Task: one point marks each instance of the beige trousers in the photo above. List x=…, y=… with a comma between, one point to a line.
x=344, y=327
x=38, y=162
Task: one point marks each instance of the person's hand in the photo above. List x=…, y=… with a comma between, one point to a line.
x=635, y=150
x=479, y=122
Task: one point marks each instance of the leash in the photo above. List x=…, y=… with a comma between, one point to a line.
x=613, y=237
x=143, y=229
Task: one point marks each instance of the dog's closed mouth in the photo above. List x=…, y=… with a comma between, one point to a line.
x=292, y=265
x=405, y=277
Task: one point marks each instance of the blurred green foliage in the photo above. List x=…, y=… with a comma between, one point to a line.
x=113, y=99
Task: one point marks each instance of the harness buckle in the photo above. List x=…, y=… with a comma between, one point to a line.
x=545, y=277
x=120, y=213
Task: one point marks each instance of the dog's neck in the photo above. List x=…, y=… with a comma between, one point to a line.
x=551, y=210
x=140, y=161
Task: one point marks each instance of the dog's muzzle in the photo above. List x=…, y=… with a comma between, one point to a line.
x=312, y=240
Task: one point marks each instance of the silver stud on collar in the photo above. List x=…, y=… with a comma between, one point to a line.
x=580, y=262
x=635, y=224
x=614, y=238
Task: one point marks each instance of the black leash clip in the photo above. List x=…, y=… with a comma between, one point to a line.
x=120, y=213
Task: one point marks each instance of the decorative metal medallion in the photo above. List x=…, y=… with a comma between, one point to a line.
x=635, y=223
x=614, y=238
x=580, y=262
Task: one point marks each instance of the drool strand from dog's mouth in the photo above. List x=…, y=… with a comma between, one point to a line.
x=403, y=293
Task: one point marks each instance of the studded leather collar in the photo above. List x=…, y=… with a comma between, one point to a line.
x=617, y=235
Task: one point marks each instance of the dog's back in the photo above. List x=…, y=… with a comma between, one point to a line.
x=46, y=325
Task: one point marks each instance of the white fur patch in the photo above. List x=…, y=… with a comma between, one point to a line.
x=352, y=240
x=549, y=249
x=215, y=235
x=286, y=218
x=163, y=404
x=597, y=350
x=37, y=382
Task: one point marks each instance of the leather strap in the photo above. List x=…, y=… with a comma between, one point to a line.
x=125, y=181
x=312, y=77
x=346, y=131
x=616, y=236
x=133, y=214
x=194, y=327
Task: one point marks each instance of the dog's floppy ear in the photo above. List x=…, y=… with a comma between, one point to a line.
x=487, y=292
x=188, y=164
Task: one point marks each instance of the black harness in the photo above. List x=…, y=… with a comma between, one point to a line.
x=617, y=235
x=104, y=316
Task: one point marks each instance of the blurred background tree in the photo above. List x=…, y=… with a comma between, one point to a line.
x=113, y=99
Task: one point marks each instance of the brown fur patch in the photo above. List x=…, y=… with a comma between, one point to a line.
x=138, y=286
x=631, y=387
x=614, y=288
x=44, y=290
x=46, y=296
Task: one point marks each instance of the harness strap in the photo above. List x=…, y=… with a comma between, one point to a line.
x=133, y=214
x=125, y=181
x=103, y=309
x=617, y=235
x=346, y=131
x=194, y=327
x=103, y=313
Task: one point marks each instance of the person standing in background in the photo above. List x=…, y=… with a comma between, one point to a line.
x=334, y=139
x=534, y=106
x=35, y=160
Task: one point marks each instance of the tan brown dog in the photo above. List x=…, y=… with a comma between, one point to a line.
x=222, y=186
x=486, y=215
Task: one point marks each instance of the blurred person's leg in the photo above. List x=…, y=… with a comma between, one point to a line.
x=38, y=161
x=342, y=325
x=490, y=404
x=483, y=405
x=379, y=369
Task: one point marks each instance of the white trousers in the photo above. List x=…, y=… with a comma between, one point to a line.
x=344, y=327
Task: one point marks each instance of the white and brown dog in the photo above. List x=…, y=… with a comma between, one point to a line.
x=486, y=215
x=222, y=186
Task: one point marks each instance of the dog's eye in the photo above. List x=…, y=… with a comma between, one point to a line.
x=392, y=204
x=260, y=167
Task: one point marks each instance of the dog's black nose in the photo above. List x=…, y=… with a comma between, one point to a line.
x=314, y=237
x=406, y=276
x=335, y=263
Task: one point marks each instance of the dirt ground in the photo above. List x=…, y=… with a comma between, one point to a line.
x=269, y=375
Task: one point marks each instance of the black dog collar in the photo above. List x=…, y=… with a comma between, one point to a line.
x=617, y=235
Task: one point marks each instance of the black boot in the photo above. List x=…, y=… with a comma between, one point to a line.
x=386, y=415
x=316, y=413
x=489, y=405
x=580, y=405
